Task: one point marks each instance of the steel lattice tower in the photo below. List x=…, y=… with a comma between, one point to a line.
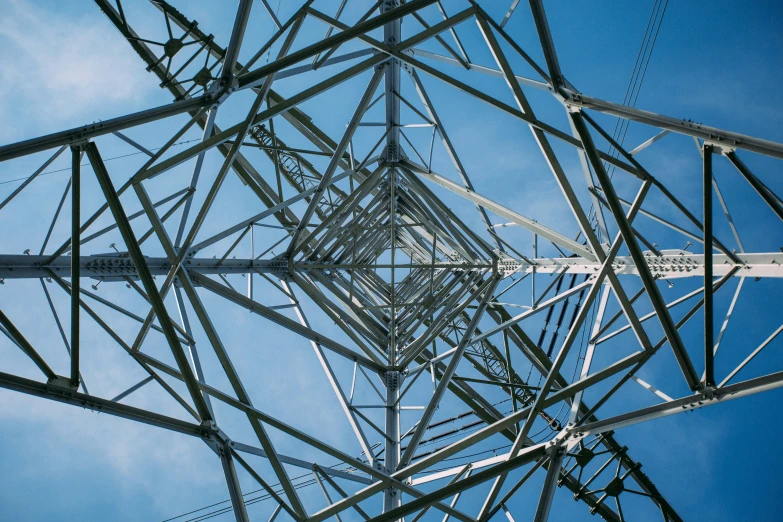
x=381, y=272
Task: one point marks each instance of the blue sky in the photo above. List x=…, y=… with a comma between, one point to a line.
x=65, y=65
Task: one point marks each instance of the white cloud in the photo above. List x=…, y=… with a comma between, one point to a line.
x=58, y=68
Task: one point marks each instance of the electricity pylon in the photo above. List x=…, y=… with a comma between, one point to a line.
x=386, y=280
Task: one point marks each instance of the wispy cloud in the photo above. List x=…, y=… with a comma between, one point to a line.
x=63, y=67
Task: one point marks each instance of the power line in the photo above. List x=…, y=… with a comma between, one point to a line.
x=311, y=482
x=87, y=164
x=639, y=73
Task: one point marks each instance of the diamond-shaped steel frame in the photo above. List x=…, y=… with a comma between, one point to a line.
x=358, y=220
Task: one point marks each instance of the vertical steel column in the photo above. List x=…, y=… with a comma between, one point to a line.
x=709, y=372
x=391, y=495
x=533, y=273
x=76, y=157
x=234, y=489
x=252, y=261
x=393, y=286
x=550, y=482
x=392, y=35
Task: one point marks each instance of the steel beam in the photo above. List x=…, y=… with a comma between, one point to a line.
x=156, y=301
x=87, y=132
x=709, y=332
x=711, y=135
x=76, y=201
x=650, y=285
x=97, y=404
x=17, y=338
x=685, y=404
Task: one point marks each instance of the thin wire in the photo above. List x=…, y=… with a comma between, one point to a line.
x=634, y=74
x=87, y=164
x=277, y=15
x=250, y=501
x=311, y=482
x=634, y=84
x=641, y=80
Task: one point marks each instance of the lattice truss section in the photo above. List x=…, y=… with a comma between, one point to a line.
x=469, y=346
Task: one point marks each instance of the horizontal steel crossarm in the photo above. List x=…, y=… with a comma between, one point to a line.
x=90, y=402
x=78, y=134
x=673, y=264
x=117, y=268
x=463, y=267
x=722, y=138
x=689, y=403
